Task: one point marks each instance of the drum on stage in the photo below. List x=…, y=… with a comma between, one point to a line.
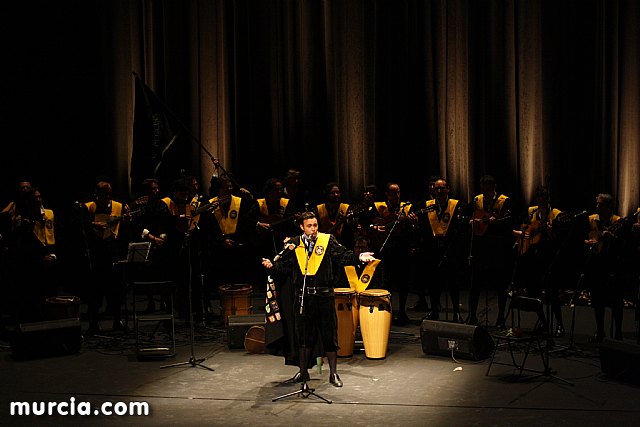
x=375, y=321
x=235, y=300
x=345, y=301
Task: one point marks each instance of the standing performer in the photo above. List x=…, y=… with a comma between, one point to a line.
x=538, y=250
x=102, y=221
x=440, y=252
x=491, y=242
x=390, y=235
x=605, y=243
x=315, y=271
x=333, y=215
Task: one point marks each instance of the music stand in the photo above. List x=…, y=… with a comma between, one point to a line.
x=139, y=252
x=305, y=391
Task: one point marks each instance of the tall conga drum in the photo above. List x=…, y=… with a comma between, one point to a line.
x=235, y=300
x=345, y=301
x=375, y=321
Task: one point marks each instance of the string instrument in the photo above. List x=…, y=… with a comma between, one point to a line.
x=532, y=231
x=481, y=220
x=209, y=207
x=112, y=221
x=602, y=243
x=275, y=220
x=383, y=226
x=352, y=211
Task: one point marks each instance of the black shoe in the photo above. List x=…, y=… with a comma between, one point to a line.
x=401, y=319
x=597, y=338
x=335, y=380
x=298, y=378
x=419, y=306
x=559, y=333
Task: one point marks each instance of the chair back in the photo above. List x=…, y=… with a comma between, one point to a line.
x=522, y=304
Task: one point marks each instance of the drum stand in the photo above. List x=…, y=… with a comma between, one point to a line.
x=192, y=360
x=305, y=391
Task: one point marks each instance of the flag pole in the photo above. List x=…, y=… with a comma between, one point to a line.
x=215, y=161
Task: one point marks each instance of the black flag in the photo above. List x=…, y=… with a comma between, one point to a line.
x=156, y=138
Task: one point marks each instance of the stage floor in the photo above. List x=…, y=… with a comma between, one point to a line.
x=405, y=388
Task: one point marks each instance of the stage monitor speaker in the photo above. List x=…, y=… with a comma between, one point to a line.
x=239, y=326
x=620, y=360
x=48, y=338
x=461, y=341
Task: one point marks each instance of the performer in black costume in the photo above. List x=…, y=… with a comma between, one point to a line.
x=313, y=261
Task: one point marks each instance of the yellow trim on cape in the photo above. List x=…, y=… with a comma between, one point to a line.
x=361, y=283
x=44, y=230
x=316, y=257
x=227, y=224
x=439, y=227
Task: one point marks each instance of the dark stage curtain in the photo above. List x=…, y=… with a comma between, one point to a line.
x=358, y=91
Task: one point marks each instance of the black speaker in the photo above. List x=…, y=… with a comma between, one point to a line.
x=620, y=360
x=238, y=327
x=48, y=338
x=466, y=341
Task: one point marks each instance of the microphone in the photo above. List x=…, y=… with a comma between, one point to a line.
x=288, y=246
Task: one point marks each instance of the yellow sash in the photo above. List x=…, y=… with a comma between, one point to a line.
x=116, y=211
x=228, y=223
x=533, y=210
x=325, y=223
x=496, y=207
x=440, y=226
x=44, y=229
x=360, y=283
x=383, y=209
x=193, y=219
x=264, y=208
x=316, y=257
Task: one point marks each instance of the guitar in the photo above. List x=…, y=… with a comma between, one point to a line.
x=342, y=218
x=600, y=240
x=209, y=207
x=482, y=219
x=532, y=232
x=383, y=227
x=112, y=222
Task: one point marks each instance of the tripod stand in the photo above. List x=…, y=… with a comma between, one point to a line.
x=186, y=246
x=305, y=391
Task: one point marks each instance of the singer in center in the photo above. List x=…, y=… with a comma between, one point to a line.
x=314, y=260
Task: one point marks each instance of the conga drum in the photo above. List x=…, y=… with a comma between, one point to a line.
x=345, y=301
x=375, y=321
x=235, y=300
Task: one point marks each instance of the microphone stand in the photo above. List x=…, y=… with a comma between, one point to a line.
x=305, y=391
x=186, y=245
